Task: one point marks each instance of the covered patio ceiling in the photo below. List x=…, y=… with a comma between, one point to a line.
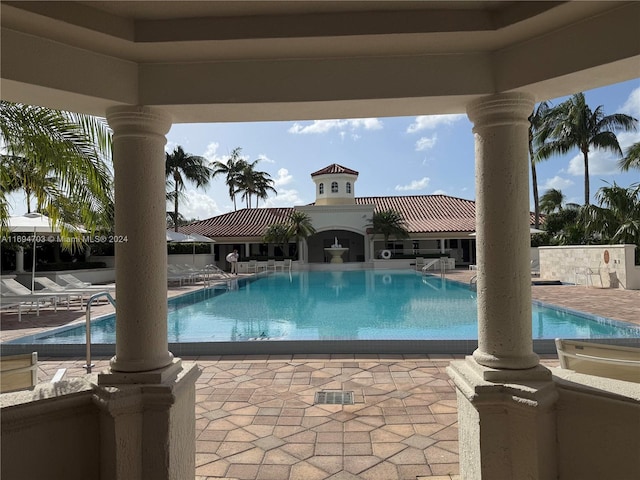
x=249, y=61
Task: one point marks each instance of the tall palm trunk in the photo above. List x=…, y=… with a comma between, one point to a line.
x=534, y=183
x=587, y=194
x=175, y=205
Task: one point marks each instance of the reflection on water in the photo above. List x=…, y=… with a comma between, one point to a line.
x=342, y=305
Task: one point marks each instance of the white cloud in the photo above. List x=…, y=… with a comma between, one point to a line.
x=283, y=178
x=425, y=122
x=284, y=198
x=414, y=185
x=196, y=204
x=556, y=182
x=264, y=159
x=324, y=126
x=439, y=192
x=426, y=143
x=632, y=105
x=600, y=163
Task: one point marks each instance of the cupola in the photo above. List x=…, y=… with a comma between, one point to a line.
x=335, y=185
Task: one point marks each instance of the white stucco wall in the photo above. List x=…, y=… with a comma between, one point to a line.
x=587, y=264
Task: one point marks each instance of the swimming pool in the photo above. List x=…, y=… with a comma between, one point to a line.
x=352, y=306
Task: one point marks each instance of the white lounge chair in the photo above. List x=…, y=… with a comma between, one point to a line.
x=271, y=264
x=75, y=282
x=14, y=290
x=51, y=286
x=601, y=360
x=252, y=266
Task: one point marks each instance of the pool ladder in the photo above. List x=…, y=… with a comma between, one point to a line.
x=473, y=283
x=92, y=298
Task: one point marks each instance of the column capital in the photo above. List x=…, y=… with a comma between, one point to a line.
x=501, y=109
x=138, y=120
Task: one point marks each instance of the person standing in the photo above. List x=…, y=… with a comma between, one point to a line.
x=232, y=258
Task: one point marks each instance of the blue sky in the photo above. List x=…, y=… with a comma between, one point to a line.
x=394, y=155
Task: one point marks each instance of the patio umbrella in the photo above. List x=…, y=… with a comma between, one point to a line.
x=193, y=238
x=35, y=224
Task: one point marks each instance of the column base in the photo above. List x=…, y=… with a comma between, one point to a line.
x=147, y=426
x=507, y=422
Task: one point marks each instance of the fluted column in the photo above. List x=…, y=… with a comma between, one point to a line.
x=502, y=224
x=141, y=257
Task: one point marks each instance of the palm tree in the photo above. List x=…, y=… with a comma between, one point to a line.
x=574, y=124
x=181, y=167
x=231, y=170
x=617, y=217
x=60, y=160
x=389, y=223
x=263, y=185
x=538, y=133
x=253, y=182
x=631, y=159
x=551, y=201
x=279, y=234
x=300, y=226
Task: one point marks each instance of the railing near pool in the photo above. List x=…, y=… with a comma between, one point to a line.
x=92, y=298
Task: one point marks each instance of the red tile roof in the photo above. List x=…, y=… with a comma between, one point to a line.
x=335, y=168
x=423, y=214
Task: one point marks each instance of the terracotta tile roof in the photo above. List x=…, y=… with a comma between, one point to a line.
x=335, y=168
x=248, y=222
x=423, y=214
x=429, y=213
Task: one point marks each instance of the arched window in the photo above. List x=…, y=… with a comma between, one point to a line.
x=321, y=188
x=348, y=187
x=334, y=187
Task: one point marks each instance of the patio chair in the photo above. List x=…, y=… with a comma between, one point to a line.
x=419, y=263
x=601, y=360
x=252, y=266
x=18, y=372
x=271, y=264
x=75, y=282
x=286, y=264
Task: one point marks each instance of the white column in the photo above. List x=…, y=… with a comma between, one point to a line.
x=141, y=261
x=506, y=399
x=20, y=260
x=502, y=224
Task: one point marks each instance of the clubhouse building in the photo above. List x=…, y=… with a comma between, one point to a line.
x=438, y=226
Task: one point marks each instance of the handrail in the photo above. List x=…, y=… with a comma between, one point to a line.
x=93, y=297
x=473, y=281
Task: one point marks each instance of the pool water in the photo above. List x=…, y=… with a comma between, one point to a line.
x=352, y=305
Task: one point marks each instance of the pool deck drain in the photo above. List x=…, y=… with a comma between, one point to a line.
x=334, y=397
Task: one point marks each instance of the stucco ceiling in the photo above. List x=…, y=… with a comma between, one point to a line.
x=235, y=60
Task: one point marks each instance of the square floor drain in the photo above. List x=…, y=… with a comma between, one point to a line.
x=335, y=397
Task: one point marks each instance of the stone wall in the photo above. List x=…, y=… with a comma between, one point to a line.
x=604, y=266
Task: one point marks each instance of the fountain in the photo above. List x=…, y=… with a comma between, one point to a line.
x=336, y=250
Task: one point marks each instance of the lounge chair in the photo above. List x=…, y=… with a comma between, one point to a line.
x=75, y=282
x=13, y=290
x=601, y=360
x=18, y=372
x=419, y=263
x=271, y=264
x=53, y=287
